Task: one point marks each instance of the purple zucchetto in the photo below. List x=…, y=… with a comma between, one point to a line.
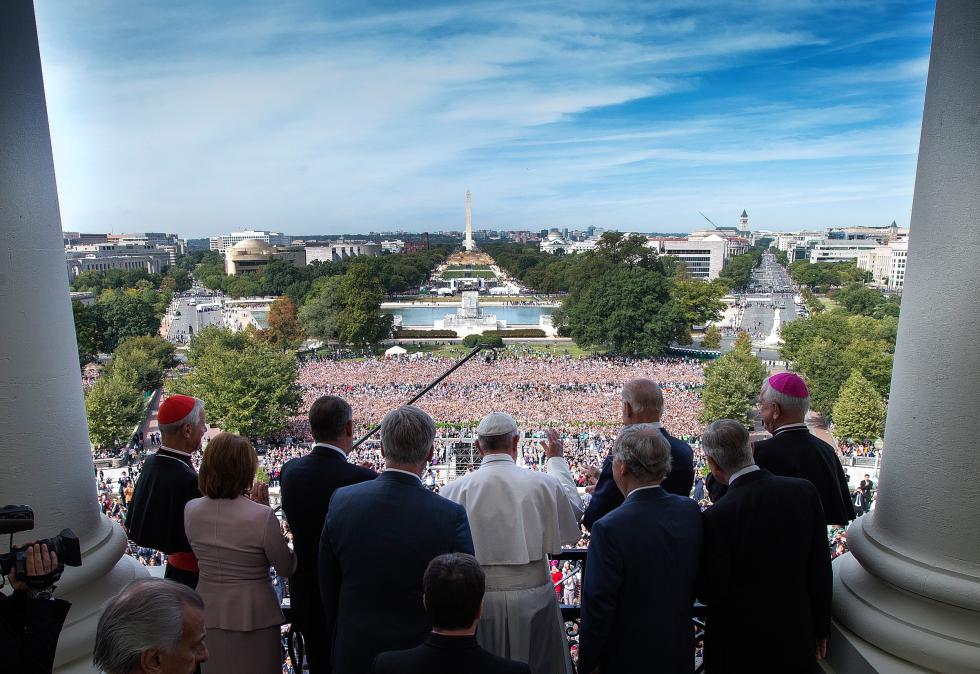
x=789, y=383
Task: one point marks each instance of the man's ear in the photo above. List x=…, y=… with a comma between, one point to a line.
x=428, y=457
x=151, y=661
x=349, y=428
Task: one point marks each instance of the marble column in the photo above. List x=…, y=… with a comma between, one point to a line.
x=44, y=449
x=907, y=597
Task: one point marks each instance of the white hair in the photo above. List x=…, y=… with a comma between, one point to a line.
x=146, y=615
x=726, y=441
x=645, y=451
x=407, y=434
x=193, y=417
x=791, y=405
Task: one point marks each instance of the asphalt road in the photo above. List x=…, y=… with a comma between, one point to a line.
x=190, y=320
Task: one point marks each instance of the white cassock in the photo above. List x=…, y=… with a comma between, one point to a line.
x=517, y=517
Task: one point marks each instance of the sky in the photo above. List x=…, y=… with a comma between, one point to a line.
x=344, y=117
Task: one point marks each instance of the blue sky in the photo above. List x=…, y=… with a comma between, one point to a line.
x=331, y=117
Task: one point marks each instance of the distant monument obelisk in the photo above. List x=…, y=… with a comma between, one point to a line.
x=468, y=240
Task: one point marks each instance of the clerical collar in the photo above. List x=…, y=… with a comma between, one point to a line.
x=494, y=458
x=791, y=427
x=175, y=451
x=751, y=468
x=333, y=447
x=406, y=472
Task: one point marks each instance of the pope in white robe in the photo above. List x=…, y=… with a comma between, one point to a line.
x=517, y=517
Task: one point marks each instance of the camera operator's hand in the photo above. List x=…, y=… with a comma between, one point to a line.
x=553, y=447
x=39, y=563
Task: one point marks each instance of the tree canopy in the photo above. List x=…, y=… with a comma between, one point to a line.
x=732, y=384
x=346, y=309
x=859, y=413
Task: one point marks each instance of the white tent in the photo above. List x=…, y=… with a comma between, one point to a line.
x=395, y=351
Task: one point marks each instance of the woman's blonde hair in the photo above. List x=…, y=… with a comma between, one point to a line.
x=229, y=466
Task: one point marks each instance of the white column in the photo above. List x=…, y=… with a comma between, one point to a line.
x=907, y=598
x=44, y=449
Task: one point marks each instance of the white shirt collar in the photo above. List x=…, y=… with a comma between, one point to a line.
x=791, y=427
x=175, y=451
x=398, y=470
x=655, y=424
x=649, y=486
x=739, y=473
x=333, y=447
x=495, y=458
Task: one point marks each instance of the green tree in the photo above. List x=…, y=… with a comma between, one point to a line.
x=700, y=301
x=251, y=391
x=732, y=383
x=89, y=330
x=857, y=298
x=627, y=310
x=712, y=337
x=284, y=330
x=822, y=364
x=320, y=314
x=214, y=338
x=872, y=360
x=125, y=315
x=147, y=358
x=859, y=413
x=737, y=273
x=361, y=321
x=114, y=405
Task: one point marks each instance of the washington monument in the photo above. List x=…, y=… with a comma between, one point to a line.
x=468, y=239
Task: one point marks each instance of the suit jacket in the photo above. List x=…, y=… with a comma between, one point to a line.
x=799, y=453
x=639, y=587
x=607, y=496
x=235, y=542
x=155, y=518
x=441, y=654
x=766, y=567
x=307, y=483
x=378, y=538
x=29, y=631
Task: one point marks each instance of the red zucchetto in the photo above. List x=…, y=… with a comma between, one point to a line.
x=175, y=408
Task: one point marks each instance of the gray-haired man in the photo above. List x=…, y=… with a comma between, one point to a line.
x=153, y=626
x=378, y=538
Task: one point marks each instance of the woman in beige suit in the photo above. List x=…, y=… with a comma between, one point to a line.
x=236, y=538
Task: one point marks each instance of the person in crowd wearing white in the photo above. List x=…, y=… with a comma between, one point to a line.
x=517, y=518
x=153, y=626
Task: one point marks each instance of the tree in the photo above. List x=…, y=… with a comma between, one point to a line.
x=859, y=413
x=347, y=308
x=700, y=301
x=284, y=330
x=627, y=310
x=320, y=314
x=125, y=315
x=872, y=360
x=114, y=405
x=89, y=329
x=732, y=383
x=146, y=359
x=251, y=391
x=824, y=368
x=737, y=273
x=712, y=337
x=857, y=298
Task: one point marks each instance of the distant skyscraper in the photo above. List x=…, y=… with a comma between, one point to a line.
x=468, y=243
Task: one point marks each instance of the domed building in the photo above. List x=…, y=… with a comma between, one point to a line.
x=247, y=256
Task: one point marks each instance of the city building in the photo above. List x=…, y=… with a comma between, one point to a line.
x=704, y=253
x=173, y=244
x=335, y=251
x=251, y=255
x=830, y=250
x=887, y=264
x=225, y=241
x=106, y=256
x=83, y=239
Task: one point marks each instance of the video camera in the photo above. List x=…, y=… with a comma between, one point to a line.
x=15, y=518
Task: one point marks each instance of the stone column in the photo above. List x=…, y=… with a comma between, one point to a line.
x=907, y=598
x=44, y=449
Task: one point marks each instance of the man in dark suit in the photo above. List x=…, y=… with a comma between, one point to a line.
x=643, y=561
x=307, y=484
x=765, y=562
x=453, y=588
x=643, y=403
x=377, y=541
x=155, y=518
x=793, y=451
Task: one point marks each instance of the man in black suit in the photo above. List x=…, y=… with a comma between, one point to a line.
x=377, y=541
x=643, y=562
x=155, y=518
x=765, y=562
x=453, y=588
x=643, y=403
x=307, y=484
x=793, y=451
